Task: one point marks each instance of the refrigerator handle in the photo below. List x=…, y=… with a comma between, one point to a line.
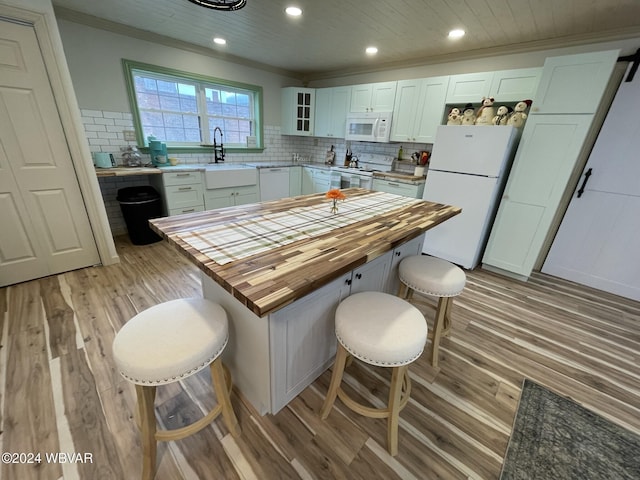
x=587, y=174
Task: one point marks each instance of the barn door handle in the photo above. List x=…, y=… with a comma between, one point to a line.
x=587, y=174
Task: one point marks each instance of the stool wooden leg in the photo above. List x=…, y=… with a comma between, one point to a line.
x=146, y=397
x=221, y=388
x=437, y=328
x=447, y=318
x=395, y=393
x=402, y=290
x=336, y=379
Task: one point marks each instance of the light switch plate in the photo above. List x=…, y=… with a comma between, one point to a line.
x=129, y=135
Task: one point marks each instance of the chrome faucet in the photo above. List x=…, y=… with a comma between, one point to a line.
x=218, y=150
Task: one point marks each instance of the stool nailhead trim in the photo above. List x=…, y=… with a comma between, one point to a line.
x=435, y=294
x=182, y=375
x=377, y=362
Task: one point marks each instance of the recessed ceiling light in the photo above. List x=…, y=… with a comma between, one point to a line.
x=293, y=11
x=219, y=41
x=457, y=33
x=371, y=50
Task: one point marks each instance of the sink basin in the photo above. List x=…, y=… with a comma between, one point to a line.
x=228, y=175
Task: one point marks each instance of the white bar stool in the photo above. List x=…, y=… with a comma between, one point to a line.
x=382, y=330
x=165, y=344
x=438, y=278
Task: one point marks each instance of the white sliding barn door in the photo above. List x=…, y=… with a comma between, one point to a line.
x=44, y=227
x=598, y=243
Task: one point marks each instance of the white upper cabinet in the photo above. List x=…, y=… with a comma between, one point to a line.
x=373, y=97
x=298, y=111
x=515, y=85
x=332, y=106
x=469, y=88
x=503, y=85
x=574, y=83
x=418, y=109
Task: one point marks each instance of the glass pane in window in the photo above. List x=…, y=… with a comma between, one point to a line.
x=151, y=118
x=148, y=100
x=229, y=110
x=169, y=103
x=175, y=135
x=215, y=122
x=188, y=104
x=192, y=135
x=167, y=87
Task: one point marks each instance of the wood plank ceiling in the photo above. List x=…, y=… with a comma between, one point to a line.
x=331, y=35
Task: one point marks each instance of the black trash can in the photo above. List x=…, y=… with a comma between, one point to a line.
x=138, y=205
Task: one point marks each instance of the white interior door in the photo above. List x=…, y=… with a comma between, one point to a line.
x=597, y=243
x=45, y=227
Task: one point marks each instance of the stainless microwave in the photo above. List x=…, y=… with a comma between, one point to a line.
x=369, y=126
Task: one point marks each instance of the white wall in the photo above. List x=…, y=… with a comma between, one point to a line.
x=94, y=57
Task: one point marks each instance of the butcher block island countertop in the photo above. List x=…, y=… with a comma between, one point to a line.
x=280, y=269
x=282, y=273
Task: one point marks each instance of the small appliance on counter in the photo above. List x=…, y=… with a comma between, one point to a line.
x=158, y=152
x=103, y=160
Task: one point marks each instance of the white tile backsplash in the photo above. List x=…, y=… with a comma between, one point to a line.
x=104, y=132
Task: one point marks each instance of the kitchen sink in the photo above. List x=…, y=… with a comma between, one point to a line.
x=229, y=175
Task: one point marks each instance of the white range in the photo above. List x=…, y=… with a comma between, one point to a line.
x=362, y=176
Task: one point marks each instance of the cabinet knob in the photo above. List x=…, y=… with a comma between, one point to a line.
x=358, y=276
x=348, y=281
x=397, y=254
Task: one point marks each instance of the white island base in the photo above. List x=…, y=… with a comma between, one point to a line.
x=273, y=358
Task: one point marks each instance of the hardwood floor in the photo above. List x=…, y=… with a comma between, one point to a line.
x=61, y=393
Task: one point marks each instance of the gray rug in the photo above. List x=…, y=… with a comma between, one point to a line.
x=554, y=438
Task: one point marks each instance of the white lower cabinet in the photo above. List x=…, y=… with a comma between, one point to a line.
x=182, y=192
x=303, y=334
x=412, y=247
x=228, y=197
x=273, y=359
x=316, y=180
x=399, y=188
x=302, y=337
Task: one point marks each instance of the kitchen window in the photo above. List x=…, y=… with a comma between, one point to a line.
x=183, y=109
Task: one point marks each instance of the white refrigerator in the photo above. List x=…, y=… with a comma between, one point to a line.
x=468, y=169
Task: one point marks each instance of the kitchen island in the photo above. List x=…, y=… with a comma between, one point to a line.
x=280, y=268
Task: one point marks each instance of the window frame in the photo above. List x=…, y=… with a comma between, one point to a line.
x=204, y=81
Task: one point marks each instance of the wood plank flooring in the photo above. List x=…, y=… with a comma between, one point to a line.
x=60, y=392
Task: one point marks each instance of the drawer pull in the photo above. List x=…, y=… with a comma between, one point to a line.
x=188, y=210
x=393, y=184
x=185, y=188
x=183, y=174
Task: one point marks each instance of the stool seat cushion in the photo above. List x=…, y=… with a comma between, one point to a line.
x=170, y=341
x=431, y=275
x=381, y=329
